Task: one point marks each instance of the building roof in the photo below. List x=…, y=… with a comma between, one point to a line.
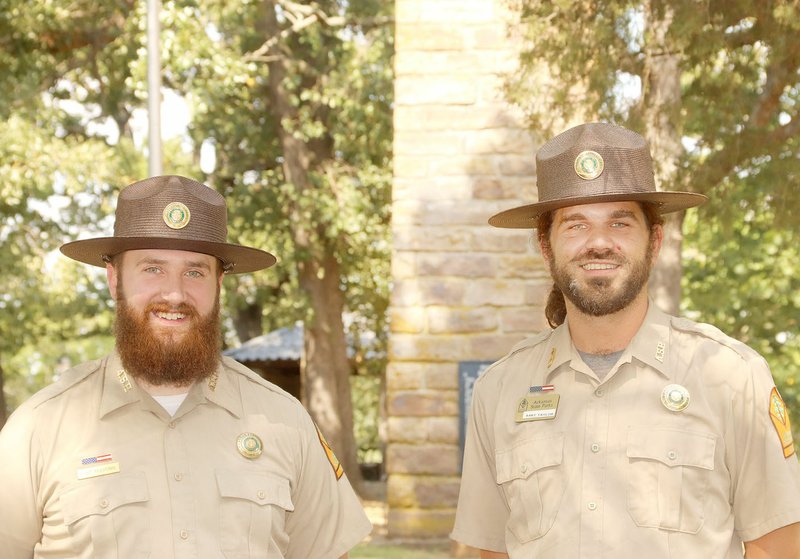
x=286, y=344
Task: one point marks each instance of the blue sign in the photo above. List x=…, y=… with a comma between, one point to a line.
x=468, y=373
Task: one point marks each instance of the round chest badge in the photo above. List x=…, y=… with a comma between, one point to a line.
x=176, y=215
x=249, y=445
x=675, y=397
x=589, y=165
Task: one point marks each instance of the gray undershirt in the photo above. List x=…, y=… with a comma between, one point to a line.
x=600, y=364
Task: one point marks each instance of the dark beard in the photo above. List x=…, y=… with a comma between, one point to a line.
x=167, y=361
x=595, y=299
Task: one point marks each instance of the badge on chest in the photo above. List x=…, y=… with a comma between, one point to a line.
x=539, y=404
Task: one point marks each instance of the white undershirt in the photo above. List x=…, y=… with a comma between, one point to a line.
x=171, y=403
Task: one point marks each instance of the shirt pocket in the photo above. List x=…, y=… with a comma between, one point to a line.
x=252, y=514
x=108, y=516
x=669, y=477
x=532, y=478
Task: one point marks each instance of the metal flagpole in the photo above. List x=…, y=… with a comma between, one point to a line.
x=155, y=162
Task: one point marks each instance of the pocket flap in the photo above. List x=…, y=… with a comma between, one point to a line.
x=256, y=487
x=672, y=447
x=529, y=456
x=101, y=495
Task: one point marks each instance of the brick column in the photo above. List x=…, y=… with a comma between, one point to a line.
x=463, y=291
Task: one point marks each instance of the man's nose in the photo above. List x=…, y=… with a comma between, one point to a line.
x=173, y=291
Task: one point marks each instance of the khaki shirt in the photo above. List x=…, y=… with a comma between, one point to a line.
x=616, y=473
x=93, y=467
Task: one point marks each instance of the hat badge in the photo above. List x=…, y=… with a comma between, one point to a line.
x=176, y=215
x=589, y=165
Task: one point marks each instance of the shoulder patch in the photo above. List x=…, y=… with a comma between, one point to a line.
x=780, y=419
x=338, y=471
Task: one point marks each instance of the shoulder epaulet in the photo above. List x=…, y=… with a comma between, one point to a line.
x=715, y=334
x=527, y=343
x=68, y=379
x=236, y=367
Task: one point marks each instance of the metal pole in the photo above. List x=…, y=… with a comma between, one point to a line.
x=155, y=164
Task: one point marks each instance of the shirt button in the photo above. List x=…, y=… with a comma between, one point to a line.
x=104, y=504
x=599, y=392
x=184, y=535
x=262, y=495
x=595, y=447
x=672, y=455
x=524, y=468
x=592, y=506
x=178, y=476
x=172, y=424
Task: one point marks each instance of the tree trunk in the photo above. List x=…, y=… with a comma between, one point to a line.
x=247, y=322
x=3, y=408
x=326, y=369
x=661, y=103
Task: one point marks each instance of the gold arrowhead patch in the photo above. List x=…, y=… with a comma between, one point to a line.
x=780, y=419
x=335, y=464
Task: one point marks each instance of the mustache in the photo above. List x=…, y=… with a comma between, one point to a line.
x=182, y=308
x=594, y=254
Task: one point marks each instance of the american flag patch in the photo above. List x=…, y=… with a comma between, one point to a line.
x=545, y=388
x=96, y=459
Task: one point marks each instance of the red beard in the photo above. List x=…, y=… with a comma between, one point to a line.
x=164, y=360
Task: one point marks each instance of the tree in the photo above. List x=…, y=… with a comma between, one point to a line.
x=296, y=100
x=714, y=87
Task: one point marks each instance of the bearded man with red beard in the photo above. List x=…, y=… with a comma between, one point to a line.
x=622, y=432
x=165, y=448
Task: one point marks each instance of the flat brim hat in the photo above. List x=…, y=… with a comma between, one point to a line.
x=592, y=163
x=175, y=213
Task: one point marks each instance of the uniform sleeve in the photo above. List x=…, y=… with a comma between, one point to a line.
x=766, y=487
x=20, y=517
x=482, y=510
x=328, y=519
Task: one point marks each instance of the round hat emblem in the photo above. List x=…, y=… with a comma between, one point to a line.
x=249, y=445
x=589, y=165
x=176, y=215
x=675, y=397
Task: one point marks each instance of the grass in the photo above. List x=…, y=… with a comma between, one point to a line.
x=367, y=551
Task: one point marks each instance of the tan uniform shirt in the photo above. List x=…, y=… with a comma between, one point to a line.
x=617, y=473
x=93, y=467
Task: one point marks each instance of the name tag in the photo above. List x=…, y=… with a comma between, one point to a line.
x=98, y=470
x=536, y=408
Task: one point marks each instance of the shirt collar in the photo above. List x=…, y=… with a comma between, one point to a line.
x=120, y=388
x=650, y=345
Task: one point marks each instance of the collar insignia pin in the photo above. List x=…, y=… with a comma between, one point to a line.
x=124, y=380
x=660, y=352
x=552, y=357
x=675, y=397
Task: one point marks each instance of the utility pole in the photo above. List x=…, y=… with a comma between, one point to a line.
x=155, y=161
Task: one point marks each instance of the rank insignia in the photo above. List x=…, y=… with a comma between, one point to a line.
x=176, y=215
x=338, y=471
x=780, y=419
x=249, y=445
x=589, y=165
x=552, y=357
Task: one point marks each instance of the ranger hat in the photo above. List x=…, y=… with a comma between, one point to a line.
x=591, y=163
x=170, y=212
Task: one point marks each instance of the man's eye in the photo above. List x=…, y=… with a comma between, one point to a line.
x=152, y=270
x=194, y=274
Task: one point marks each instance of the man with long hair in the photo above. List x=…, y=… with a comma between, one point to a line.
x=622, y=432
x=166, y=449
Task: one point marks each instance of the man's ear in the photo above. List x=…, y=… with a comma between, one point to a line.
x=111, y=275
x=544, y=249
x=656, y=240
